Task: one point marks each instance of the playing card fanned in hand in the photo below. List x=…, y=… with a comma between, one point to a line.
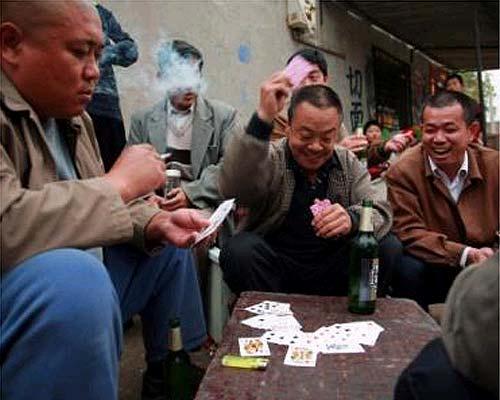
x=297, y=70
x=216, y=220
x=270, y=307
x=319, y=206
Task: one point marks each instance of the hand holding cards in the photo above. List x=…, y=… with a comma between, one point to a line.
x=297, y=70
x=216, y=220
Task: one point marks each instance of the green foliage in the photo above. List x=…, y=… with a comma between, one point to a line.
x=471, y=85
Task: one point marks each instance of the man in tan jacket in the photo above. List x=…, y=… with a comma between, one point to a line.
x=61, y=313
x=444, y=194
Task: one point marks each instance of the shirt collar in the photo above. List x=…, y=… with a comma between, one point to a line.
x=462, y=172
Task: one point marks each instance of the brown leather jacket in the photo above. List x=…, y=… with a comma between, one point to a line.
x=40, y=213
x=426, y=219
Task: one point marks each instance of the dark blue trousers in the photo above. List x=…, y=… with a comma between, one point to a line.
x=62, y=311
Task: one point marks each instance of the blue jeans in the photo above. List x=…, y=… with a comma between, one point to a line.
x=61, y=318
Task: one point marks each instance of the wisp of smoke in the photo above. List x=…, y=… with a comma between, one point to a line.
x=178, y=75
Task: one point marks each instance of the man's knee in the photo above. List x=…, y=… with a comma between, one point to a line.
x=70, y=287
x=239, y=247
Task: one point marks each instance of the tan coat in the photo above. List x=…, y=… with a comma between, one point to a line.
x=38, y=213
x=426, y=219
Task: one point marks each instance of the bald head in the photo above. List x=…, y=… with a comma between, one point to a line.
x=32, y=15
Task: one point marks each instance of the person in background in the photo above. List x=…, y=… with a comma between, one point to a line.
x=283, y=247
x=195, y=130
x=318, y=75
x=62, y=308
x=444, y=194
x=380, y=151
x=463, y=363
x=454, y=83
x=104, y=109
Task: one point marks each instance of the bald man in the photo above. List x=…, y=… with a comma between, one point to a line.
x=61, y=308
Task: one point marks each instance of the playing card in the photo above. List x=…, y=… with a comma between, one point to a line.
x=299, y=356
x=215, y=219
x=283, y=337
x=332, y=348
x=365, y=332
x=273, y=322
x=270, y=307
x=319, y=206
x=254, y=346
x=297, y=70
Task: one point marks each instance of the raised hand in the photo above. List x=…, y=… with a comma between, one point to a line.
x=273, y=95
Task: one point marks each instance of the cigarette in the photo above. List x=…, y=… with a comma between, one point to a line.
x=165, y=156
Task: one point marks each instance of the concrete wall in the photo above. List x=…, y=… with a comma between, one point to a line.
x=243, y=42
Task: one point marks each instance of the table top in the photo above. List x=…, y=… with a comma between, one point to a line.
x=369, y=375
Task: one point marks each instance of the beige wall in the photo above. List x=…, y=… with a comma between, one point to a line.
x=219, y=28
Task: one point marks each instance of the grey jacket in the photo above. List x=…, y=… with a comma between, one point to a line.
x=213, y=124
x=256, y=172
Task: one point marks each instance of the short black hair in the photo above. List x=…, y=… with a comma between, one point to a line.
x=182, y=48
x=319, y=96
x=313, y=56
x=446, y=98
x=372, y=122
x=455, y=76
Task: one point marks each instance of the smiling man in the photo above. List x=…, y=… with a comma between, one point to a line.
x=444, y=194
x=283, y=247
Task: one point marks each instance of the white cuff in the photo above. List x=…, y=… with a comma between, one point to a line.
x=463, y=257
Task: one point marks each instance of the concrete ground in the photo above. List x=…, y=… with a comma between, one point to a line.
x=132, y=363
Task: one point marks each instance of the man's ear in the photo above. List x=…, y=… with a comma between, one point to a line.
x=11, y=37
x=474, y=130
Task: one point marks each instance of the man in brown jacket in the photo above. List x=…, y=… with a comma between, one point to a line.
x=61, y=312
x=444, y=194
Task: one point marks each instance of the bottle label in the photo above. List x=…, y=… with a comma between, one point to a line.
x=368, y=279
x=175, y=339
x=365, y=222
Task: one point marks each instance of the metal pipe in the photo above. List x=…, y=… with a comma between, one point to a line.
x=480, y=76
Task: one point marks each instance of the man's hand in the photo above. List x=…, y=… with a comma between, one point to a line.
x=176, y=198
x=273, y=95
x=332, y=222
x=138, y=171
x=355, y=143
x=478, y=255
x=178, y=227
x=397, y=143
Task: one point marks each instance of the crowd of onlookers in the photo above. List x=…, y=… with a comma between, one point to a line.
x=90, y=238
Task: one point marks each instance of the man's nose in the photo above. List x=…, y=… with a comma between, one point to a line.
x=91, y=70
x=440, y=136
x=315, y=145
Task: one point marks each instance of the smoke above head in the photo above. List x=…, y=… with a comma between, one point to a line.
x=178, y=74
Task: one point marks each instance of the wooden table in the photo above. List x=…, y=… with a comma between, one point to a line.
x=369, y=375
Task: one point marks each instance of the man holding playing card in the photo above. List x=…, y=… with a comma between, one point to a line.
x=304, y=196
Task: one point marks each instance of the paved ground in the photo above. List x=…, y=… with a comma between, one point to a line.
x=132, y=363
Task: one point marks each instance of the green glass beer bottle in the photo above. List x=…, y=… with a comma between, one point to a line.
x=363, y=265
x=178, y=369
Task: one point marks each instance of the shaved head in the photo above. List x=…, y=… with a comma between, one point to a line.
x=32, y=15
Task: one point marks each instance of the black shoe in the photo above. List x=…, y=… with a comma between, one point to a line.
x=153, y=386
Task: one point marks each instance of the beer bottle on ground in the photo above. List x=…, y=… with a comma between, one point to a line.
x=363, y=265
x=178, y=382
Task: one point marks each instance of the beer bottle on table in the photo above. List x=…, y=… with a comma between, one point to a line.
x=178, y=382
x=363, y=265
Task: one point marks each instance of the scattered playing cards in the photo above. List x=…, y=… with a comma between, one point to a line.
x=319, y=206
x=282, y=328
x=253, y=347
